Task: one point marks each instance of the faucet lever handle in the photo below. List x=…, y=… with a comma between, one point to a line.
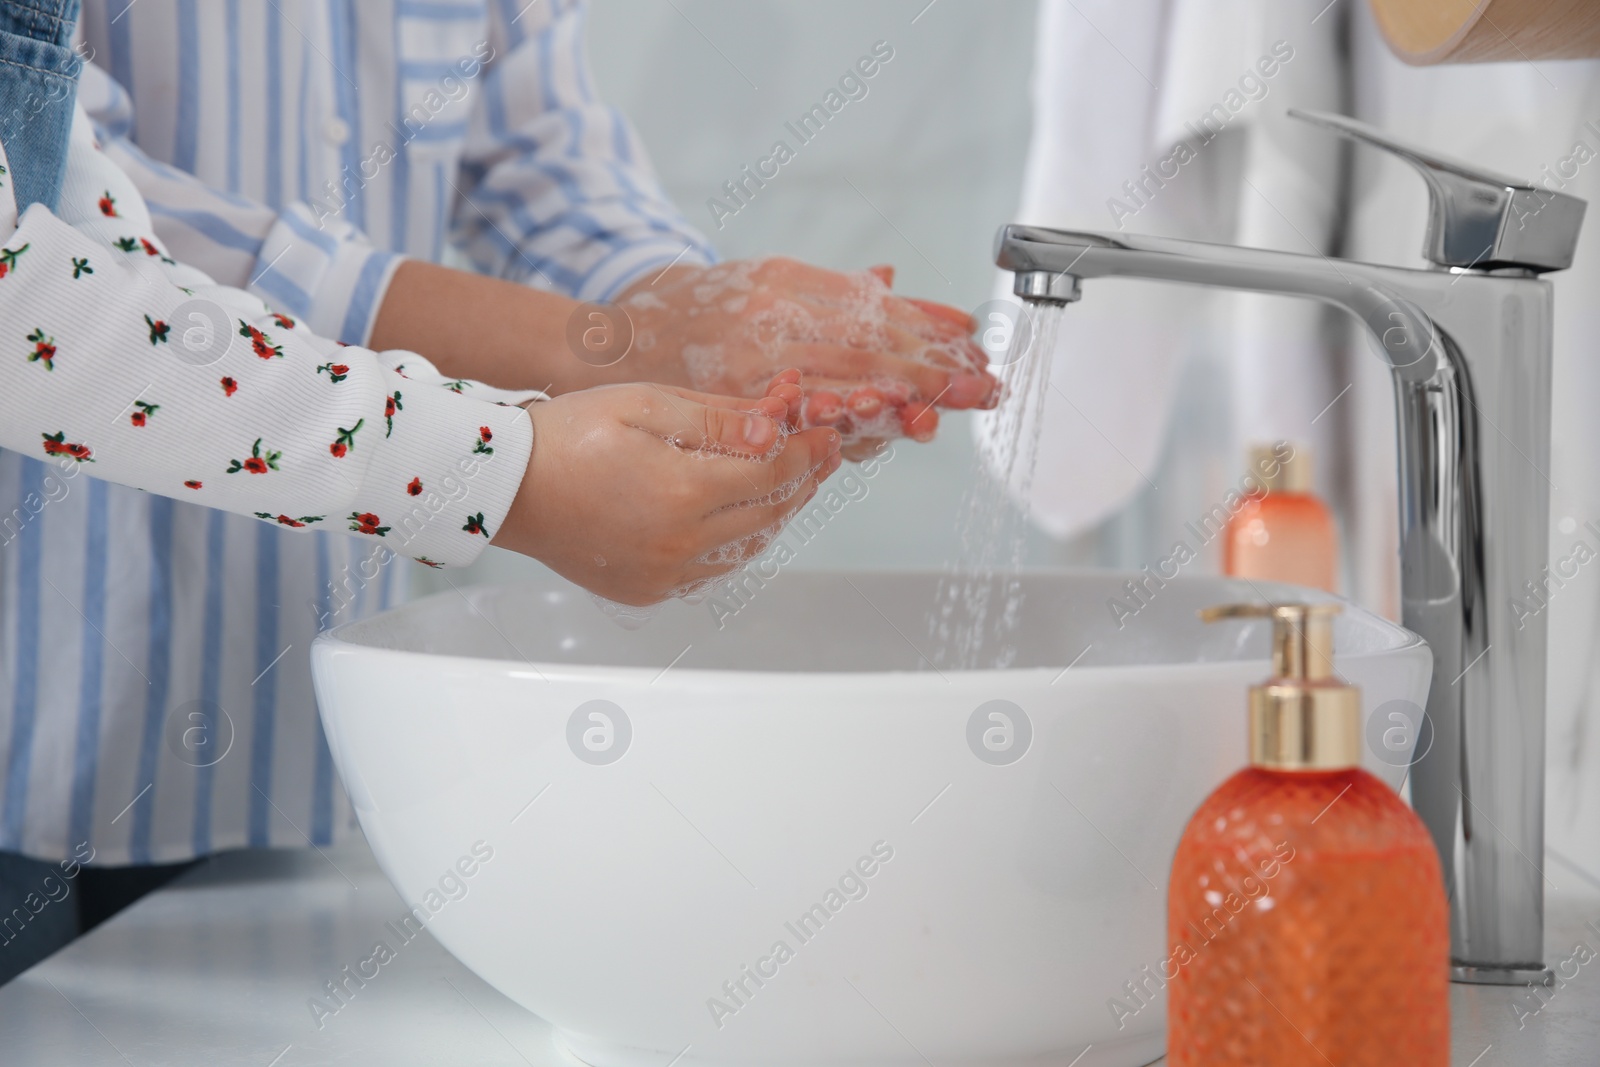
x=1477, y=219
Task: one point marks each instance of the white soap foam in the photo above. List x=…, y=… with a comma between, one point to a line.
x=706, y=366
x=625, y=615
x=645, y=300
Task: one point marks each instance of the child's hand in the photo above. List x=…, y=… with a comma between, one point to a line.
x=639, y=492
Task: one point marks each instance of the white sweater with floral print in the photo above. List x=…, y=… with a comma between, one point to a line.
x=114, y=356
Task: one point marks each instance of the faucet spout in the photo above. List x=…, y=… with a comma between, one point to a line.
x=1057, y=261
x=1470, y=355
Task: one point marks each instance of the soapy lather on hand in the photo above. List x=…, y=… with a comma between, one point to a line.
x=873, y=364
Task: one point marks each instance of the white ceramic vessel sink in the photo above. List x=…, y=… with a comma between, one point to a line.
x=793, y=846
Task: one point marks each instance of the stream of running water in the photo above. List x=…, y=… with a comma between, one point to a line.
x=979, y=601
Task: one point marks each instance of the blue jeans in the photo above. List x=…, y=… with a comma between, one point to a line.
x=45, y=905
x=38, y=87
x=38, y=913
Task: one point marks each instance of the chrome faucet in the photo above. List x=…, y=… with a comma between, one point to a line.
x=1469, y=344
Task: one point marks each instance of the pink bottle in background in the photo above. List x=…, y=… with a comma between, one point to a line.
x=1283, y=533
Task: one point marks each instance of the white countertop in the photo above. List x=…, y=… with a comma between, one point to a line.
x=217, y=969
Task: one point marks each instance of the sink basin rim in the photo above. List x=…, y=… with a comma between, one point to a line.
x=336, y=640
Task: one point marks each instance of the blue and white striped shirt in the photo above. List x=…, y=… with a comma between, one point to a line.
x=297, y=148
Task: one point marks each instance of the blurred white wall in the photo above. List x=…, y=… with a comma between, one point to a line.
x=937, y=146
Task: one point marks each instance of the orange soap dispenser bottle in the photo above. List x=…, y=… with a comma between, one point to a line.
x=1306, y=916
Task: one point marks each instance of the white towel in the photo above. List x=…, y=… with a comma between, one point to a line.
x=1095, y=102
x=1119, y=86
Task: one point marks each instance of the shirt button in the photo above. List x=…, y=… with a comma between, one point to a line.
x=336, y=131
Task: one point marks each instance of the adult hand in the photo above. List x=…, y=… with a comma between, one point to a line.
x=875, y=365
x=642, y=492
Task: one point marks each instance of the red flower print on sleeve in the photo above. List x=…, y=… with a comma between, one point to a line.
x=258, y=463
x=108, y=205
x=142, y=415
x=337, y=372
x=391, y=404
x=260, y=342
x=58, y=445
x=44, y=349
x=481, y=446
x=158, y=330
x=229, y=387
x=283, y=320
x=284, y=520
x=414, y=487
x=367, y=523
x=346, y=440
x=152, y=250
x=476, y=525
x=8, y=259
x=192, y=484
x=426, y=562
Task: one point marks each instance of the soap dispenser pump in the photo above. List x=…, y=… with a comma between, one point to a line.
x=1306, y=915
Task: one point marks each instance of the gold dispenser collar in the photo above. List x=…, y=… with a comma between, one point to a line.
x=1282, y=467
x=1303, y=718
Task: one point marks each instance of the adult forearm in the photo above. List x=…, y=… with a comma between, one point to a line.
x=485, y=329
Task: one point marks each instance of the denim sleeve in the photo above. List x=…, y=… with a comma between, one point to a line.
x=38, y=86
